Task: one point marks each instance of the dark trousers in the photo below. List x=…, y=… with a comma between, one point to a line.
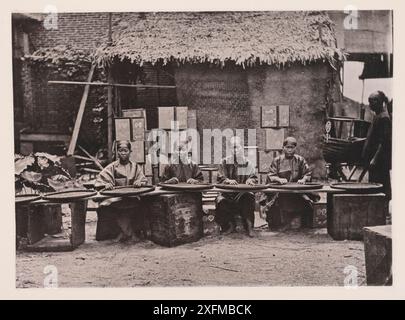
x=126, y=217
x=229, y=207
x=381, y=174
x=288, y=206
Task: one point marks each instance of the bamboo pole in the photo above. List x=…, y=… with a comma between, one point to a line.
x=73, y=141
x=109, y=96
x=110, y=115
x=146, y=86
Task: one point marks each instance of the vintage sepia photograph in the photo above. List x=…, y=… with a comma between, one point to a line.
x=203, y=148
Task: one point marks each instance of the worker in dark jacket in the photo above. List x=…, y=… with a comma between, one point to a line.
x=281, y=208
x=233, y=170
x=182, y=169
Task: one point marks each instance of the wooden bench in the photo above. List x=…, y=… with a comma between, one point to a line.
x=349, y=213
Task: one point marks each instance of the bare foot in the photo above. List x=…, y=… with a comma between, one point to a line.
x=249, y=229
x=229, y=230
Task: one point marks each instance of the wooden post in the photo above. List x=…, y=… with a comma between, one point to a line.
x=110, y=116
x=110, y=95
x=72, y=145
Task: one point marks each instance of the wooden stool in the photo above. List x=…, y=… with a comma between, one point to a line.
x=176, y=218
x=46, y=219
x=378, y=252
x=349, y=213
x=34, y=221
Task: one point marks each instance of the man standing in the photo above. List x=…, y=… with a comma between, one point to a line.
x=377, y=151
x=233, y=170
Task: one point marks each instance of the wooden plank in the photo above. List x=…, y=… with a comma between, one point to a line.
x=82, y=158
x=94, y=159
x=269, y=116
x=275, y=139
x=36, y=226
x=138, y=129
x=283, y=116
x=134, y=113
x=138, y=151
x=32, y=137
x=181, y=117
x=166, y=116
x=75, y=135
x=348, y=214
x=49, y=244
x=261, y=139
x=265, y=160
x=192, y=119
x=122, y=129
x=107, y=84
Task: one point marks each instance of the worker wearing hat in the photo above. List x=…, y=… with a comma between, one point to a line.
x=120, y=217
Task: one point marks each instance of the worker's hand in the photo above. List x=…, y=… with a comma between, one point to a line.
x=231, y=182
x=250, y=182
x=282, y=181
x=173, y=180
x=301, y=181
x=139, y=184
x=108, y=186
x=192, y=181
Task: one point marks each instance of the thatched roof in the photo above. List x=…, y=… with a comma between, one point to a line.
x=247, y=38
x=22, y=16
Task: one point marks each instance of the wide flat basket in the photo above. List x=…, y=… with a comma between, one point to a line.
x=26, y=198
x=69, y=195
x=358, y=187
x=186, y=186
x=296, y=186
x=127, y=191
x=242, y=187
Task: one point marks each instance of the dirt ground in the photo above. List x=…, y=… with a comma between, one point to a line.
x=291, y=258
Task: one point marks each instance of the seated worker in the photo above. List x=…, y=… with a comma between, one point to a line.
x=280, y=208
x=233, y=170
x=183, y=169
x=119, y=217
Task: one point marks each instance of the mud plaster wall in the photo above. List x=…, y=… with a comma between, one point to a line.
x=231, y=98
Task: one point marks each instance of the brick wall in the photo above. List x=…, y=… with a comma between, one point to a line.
x=82, y=30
